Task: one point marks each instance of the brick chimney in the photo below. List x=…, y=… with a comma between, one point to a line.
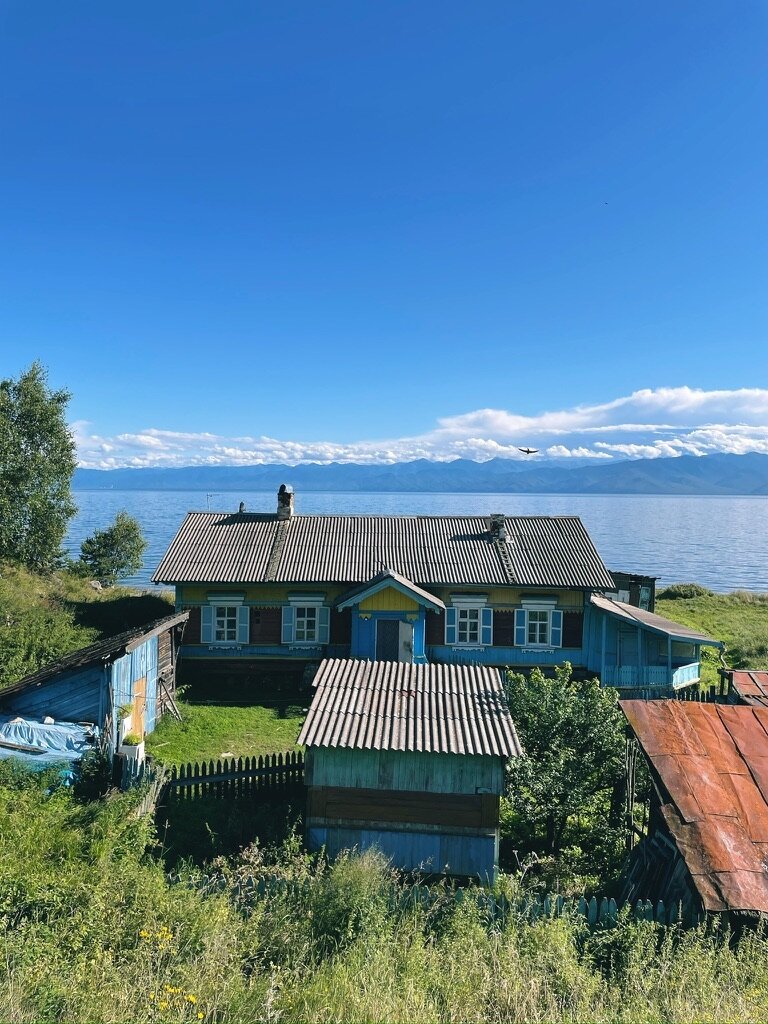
x=284, y=503
x=498, y=529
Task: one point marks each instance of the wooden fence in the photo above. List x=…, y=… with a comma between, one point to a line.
x=236, y=777
x=597, y=911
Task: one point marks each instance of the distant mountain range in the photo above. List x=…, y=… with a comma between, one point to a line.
x=689, y=474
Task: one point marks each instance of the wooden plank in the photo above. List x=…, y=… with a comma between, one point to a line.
x=465, y=810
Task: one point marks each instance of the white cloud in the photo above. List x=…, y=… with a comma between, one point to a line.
x=663, y=422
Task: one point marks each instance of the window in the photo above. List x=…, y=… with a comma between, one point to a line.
x=538, y=627
x=306, y=621
x=468, y=623
x=305, y=624
x=538, y=624
x=224, y=621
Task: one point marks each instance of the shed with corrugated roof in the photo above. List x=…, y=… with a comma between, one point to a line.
x=707, y=842
x=408, y=758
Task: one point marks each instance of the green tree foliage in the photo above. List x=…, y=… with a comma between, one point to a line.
x=573, y=737
x=37, y=460
x=116, y=552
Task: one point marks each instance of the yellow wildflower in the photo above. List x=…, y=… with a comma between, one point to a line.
x=191, y=998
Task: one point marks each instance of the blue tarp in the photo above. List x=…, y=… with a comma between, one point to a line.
x=60, y=742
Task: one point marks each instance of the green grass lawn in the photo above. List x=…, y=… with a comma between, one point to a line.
x=739, y=619
x=209, y=731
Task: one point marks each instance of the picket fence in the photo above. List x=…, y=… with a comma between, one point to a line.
x=598, y=912
x=236, y=777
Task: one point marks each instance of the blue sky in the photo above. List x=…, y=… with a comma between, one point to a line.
x=248, y=231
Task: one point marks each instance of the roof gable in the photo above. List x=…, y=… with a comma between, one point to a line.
x=389, y=580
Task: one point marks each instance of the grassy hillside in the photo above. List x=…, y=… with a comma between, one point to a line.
x=94, y=931
x=43, y=617
x=739, y=619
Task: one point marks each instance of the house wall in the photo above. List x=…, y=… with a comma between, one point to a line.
x=353, y=632
x=624, y=654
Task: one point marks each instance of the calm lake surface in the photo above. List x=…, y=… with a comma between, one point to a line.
x=721, y=542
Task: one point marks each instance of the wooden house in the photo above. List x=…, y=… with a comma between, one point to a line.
x=410, y=759
x=285, y=590
x=707, y=841
x=119, y=685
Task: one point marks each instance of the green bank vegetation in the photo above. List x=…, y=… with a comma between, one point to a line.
x=739, y=619
x=93, y=930
x=46, y=615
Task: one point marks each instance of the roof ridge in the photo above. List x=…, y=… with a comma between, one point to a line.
x=505, y=558
x=277, y=549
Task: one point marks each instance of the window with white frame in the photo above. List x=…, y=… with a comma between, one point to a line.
x=306, y=621
x=468, y=622
x=538, y=624
x=224, y=621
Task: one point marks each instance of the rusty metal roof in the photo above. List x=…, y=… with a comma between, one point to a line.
x=752, y=687
x=710, y=766
x=213, y=547
x=650, y=620
x=390, y=705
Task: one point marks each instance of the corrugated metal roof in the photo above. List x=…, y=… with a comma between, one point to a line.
x=657, y=623
x=752, y=687
x=107, y=650
x=390, y=705
x=429, y=550
x=710, y=766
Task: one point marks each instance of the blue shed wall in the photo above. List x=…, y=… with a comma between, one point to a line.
x=79, y=695
x=447, y=853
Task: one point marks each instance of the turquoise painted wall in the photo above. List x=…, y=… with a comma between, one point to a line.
x=403, y=770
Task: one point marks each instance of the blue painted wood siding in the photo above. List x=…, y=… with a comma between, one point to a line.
x=411, y=771
x=140, y=663
x=474, y=856
x=79, y=695
x=363, y=639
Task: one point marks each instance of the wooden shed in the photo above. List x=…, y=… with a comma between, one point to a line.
x=707, y=841
x=134, y=670
x=409, y=759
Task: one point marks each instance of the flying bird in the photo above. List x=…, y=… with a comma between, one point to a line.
x=528, y=451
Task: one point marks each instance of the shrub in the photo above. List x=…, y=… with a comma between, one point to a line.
x=684, y=592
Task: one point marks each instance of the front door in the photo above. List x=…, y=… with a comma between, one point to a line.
x=387, y=640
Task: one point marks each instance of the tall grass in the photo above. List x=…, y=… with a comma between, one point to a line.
x=92, y=930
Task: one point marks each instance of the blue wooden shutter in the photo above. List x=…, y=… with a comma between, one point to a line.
x=556, y=632
x=287, y=624
x=486, y=632
x=323, y=624
x=450, y=625
x=520, y=623
x=243, y=622
x=206, y=624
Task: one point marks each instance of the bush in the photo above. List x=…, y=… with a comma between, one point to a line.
x=684, y=592
x=113, y=553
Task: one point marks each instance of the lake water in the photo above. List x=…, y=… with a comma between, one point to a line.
x=721, y=542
